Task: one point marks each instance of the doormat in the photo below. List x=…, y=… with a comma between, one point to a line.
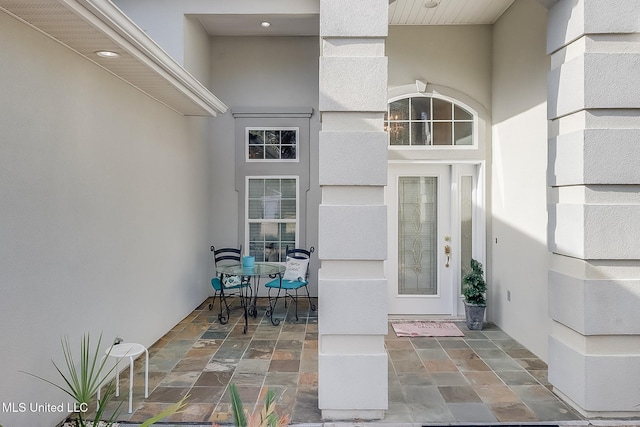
x=426, y=329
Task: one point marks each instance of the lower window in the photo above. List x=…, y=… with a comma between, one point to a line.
x=272, y=216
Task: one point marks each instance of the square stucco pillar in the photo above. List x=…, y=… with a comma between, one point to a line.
x=352, y=240
x=594, y=203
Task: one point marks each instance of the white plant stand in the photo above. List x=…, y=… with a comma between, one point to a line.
x=132, y=351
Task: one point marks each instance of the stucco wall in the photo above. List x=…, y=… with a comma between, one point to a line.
x=104, y=213
x=197, y=50
x=458, y=57
x=520, y=258
x=255, y=72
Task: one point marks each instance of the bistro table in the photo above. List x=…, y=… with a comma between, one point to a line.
x=249, y=294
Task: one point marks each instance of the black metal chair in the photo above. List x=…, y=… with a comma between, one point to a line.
x=295, y=277
x=224, y=287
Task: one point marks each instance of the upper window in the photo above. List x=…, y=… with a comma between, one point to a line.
x=425, y=120
x=272, y=144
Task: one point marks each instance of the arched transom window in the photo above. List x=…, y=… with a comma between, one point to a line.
x=427, y=120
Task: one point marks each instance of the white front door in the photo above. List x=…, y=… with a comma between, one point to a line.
x=430, y=211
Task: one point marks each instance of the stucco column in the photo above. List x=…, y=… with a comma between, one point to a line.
x=352, y=242
x=594, y=209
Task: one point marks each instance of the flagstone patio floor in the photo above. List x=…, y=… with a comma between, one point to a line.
x=483, y=377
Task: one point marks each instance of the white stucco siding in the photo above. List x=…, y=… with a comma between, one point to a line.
x=338, y=150
x=197, y=50
x=519, y=173
x=458, y=57
x=360, y=74
x=593, y=205
x=574, y=157
x=352, y=362
x=104, y=210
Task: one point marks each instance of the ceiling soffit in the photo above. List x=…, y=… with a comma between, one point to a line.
x=448, y=12
x=87, y=26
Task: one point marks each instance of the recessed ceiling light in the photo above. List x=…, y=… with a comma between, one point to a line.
x=265, y=24
x=431, y=4
x=107, y=54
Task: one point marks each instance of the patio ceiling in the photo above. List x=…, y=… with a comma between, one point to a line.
x=401, y=12
x=88, y=26
x=446, y=12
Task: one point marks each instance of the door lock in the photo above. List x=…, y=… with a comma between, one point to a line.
x=447, y=252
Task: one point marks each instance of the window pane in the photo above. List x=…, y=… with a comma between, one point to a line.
x=288, y=231
x=272, y=252
x=288, y=188
x=270, y=231
x=256, y=137
x=466, y=224
x=255, y=232
x=272, y=152
x=255, y=209
x=462, y=114
x=463, y=133
x=288, y=137
x=399, y=110
x=271, y=207
x=289, y=209
x=399, y=133
x=442, y=134
x=288, y=152
x=256, y=249
x=256, y=188
x=420, y=108
x=272, y=187
x=441, y=109
x=272, y=137
x=420, y=134
x=256, y=152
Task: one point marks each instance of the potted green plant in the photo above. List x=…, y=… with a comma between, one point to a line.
x=474, y=289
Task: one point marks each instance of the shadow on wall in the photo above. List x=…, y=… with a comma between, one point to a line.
x=517, y=283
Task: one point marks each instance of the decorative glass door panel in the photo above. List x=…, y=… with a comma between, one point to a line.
x=417, y=235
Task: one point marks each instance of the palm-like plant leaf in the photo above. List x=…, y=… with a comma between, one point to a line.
x=239, y=416
x=266, y=417
x=81, y=382
x=173, y=409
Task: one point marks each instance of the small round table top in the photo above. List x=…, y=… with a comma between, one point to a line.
x=125, y=349
x=259, y=269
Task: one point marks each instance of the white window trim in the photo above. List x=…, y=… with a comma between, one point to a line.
x=248, y=221
x=246, y=144
x=454, y=101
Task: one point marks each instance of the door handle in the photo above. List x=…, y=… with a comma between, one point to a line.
x=447, y=252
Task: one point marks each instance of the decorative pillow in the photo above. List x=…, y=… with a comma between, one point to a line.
x=296, y=269
x=231, y=281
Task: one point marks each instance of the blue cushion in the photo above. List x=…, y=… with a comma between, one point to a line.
x=287, y=284
x=217, y=285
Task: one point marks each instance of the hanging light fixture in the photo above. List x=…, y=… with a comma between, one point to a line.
x=430, y=4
